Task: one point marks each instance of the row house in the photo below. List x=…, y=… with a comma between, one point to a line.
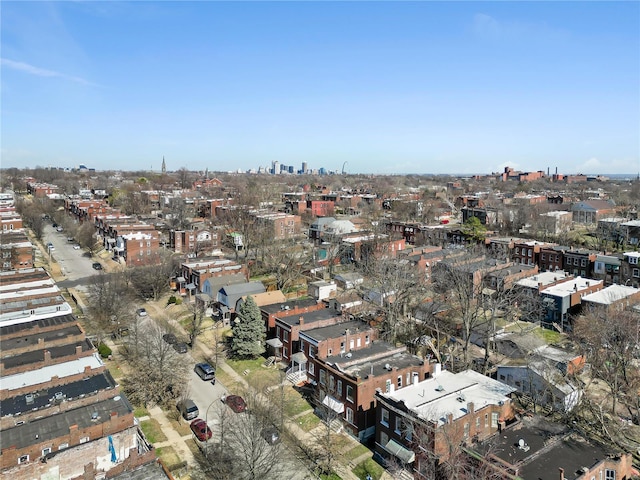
x=416, y=425
x=564, y=300
x=317, y=208
x=16, y=250
x=193, y=275
x=613, y=298
x=209, y=208
x=62, y=415
x=630, y=271
x=535, y=448
x=7, y=199
x=278, y=225
x=10, y=220
x=505, y=277
x=607, y=269
x=291, y=308
x=527, y=252
x=578, y=262
x=318, y=228
x=29, y=294
x=86, y=210
x=114, y=217
x=362, y=247
x=116, y=230
x=288, y=328
x=41, y=190
x=630, y=233
x=486, y=215
x=347, y=364
x=196, y=243
x=590, y=211
x=138, y=248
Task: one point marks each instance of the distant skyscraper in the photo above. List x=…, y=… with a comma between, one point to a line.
x=164, y=165
x=275, y=167
x=304, y=167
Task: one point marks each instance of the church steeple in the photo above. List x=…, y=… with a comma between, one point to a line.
x=164, y=165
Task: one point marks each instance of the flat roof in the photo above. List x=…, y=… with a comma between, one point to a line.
x=571, y=286
x=335, y=331
x=545, y=278
x=292, y=304
x=36, y=323
x=45, y=397
x=374, y=360
x=44, y=374
x=610, y=294
x=310, y=317
x=35, y=356
x=54, y=426
x=32, y=339
x=448, y=393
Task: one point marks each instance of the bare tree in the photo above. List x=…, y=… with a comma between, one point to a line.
x=160, y=375
x=108, y=303
x=152, y=281
x=85, y=235
x=287, y=262
x=196, y=320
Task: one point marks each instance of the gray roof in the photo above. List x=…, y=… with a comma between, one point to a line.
x=335, y=331
x=35, y=356
x=54, y=426
x=27, y=340
x=291, y=304
x=372, y=360
x=310, y=317
x=148, y=471
x=237, y=291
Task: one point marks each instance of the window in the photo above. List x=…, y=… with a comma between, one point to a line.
x=384, y=439
x=543, y=256
x=466, y=430
x=384, y=417
x=341, y=347
x=285, y=352
x=633, y=260
x=46, y=451
x=358, y=342
x=23, y=459
x=609, y=474
x=517, y=250
x=494, y=419
x=583, y=262
x=311, y=351
x=398, y=429
x=530, y=252
x=477, y=422
x=323, y=377
x=62, y=446
x=636, y=272
x=387, y=386
x=285, y=335
x=349, y=415
x=351, y=344
x=350, y=393
x=399, y=381
x=332, y=383
x=339, y=390
x=312, y=368
x=329, y=352
x=366, y=340
x=486, y=420
x=84, y=439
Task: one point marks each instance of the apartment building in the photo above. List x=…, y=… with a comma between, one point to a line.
x=138, y=248
x=419, y=423
x=278, y=225
x=347, y=364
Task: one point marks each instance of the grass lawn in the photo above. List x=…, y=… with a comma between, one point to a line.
x=193, y=447
x=152, y=430
x=140, y=412
x=257, y=376
x=116, y=371
x=330, y=476
x=308, y=422
x=180, y=426
x=295, y=404
x=355, y=452
x=549, y=336
x=368, y=466
x=227, y=380
x=169, y=457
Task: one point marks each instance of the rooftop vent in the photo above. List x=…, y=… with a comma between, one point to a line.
x=29, y=398
x=461, y=398
x=439, y=388
x=387, y=366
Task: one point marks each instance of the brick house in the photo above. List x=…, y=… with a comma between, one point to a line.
x=139, y=248
x=10, y=220
x=16, y=250
x=194, y=274
x=420, y=422
x=347, y=364
x=319, y=208
x=630, y=269
x=551, y=258
x=295, y=307
x=613, y=298
x=41, y=190
x=278, y=225
x=563, y=300
x=577, y=261
x=202, y=242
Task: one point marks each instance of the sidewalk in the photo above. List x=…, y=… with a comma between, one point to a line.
x=173, y=438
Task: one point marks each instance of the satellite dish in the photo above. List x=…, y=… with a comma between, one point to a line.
x=521, y=443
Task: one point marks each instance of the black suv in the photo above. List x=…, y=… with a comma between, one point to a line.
x=97, y=266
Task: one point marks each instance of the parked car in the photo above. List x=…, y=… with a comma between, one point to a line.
x=59, y=229
x=55, y=225
x=188, y=409
x=205, y=371
x=142, y=312
x=70, y=239
x=170, y=338
x=50, y=246
x=236, y=403
x=271, y=435
x=180, y=347
x=77, y=247
x=97, y=266
x=201, y=430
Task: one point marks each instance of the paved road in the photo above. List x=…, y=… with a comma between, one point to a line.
x=75, y=267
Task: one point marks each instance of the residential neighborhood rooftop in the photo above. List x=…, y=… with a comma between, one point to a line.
x=611, y=294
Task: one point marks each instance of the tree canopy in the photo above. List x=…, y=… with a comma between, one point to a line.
x=248, y=331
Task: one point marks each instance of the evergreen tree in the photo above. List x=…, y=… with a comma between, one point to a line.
x=474, y=229
x=248, y=331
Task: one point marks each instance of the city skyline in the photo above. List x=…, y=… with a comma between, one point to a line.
x=389, y=88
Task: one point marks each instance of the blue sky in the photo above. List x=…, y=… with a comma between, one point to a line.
x=389, y=87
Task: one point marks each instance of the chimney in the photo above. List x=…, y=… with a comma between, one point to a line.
x=78, y=350
x=416, y=379
x=47, y=357
x=301, y=320
x=470, y=407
